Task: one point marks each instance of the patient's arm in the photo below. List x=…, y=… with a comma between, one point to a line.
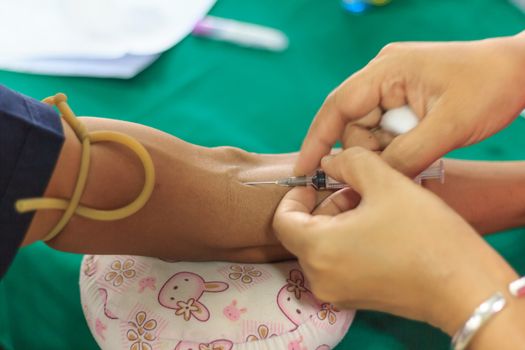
x=199, y=209
x=489, y=195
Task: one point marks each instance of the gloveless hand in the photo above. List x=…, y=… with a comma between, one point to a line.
x=401, y=250
x=463, y=92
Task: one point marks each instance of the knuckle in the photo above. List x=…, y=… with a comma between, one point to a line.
x=339, y=99
x=345, y=98
x=331, y=95
x=331, y=99
x=390, y=48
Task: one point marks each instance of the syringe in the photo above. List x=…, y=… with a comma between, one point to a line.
x=320, y=181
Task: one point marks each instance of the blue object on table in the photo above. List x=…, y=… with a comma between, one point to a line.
x=355, y=6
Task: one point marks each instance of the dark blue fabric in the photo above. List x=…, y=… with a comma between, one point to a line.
x=31, y=138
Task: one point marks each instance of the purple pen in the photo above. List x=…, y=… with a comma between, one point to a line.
x=241, y=33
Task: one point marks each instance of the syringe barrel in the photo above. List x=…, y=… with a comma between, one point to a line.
x=332, y=184
x=294, y=181
x=320, y=181
x=434, y=172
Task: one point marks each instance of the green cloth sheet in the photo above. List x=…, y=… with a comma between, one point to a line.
x=212, y=93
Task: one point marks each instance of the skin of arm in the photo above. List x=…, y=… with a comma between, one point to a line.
x=488, y=195
x=200, y=210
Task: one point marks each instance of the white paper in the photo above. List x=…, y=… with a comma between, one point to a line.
x=519, y=3
x=124, y=68
x=59, y=35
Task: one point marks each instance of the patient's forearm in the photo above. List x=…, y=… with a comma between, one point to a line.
x=199, y=209
x=489, y=195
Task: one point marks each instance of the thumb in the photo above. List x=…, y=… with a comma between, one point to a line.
x=436, y=135
x=362, y=169
x=292, y=218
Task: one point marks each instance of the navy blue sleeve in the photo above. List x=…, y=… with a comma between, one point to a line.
x=31, y=138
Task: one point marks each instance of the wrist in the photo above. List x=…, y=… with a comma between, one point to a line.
x=468, y=287
x=241, y=166
x=505, y=329
x=479, y=318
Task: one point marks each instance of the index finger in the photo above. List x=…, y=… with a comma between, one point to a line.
x=353, y=99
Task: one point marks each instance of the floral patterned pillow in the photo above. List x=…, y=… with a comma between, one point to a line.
x=138, y=303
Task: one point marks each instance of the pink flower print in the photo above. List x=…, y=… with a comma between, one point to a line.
x=296, y=302
x=188, y=309
x=100, y=328
x=147, y=282
x=245, y=273
x=220, y=344
x=263, y=333
x=183, y=291
x=232, y=312
x=140, y=332
x=327, y=312
x=217, y=345
x=90, y=265
x=296, y=345
x=295, y=284
x=120, y=272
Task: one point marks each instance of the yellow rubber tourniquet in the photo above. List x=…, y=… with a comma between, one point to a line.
x=73, y=206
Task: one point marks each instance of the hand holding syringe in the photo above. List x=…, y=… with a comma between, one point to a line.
x=396, y=121
x=321, y=182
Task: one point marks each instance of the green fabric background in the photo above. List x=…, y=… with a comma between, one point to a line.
x=212, y=94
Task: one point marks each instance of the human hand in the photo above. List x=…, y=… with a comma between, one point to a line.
x=463, y=92
x=402, y=250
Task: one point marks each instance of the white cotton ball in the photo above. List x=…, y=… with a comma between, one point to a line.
x=399, y=120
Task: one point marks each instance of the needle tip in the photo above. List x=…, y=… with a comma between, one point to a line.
x=253, y=183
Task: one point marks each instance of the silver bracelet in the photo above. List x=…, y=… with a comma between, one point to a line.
x=479, y=317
